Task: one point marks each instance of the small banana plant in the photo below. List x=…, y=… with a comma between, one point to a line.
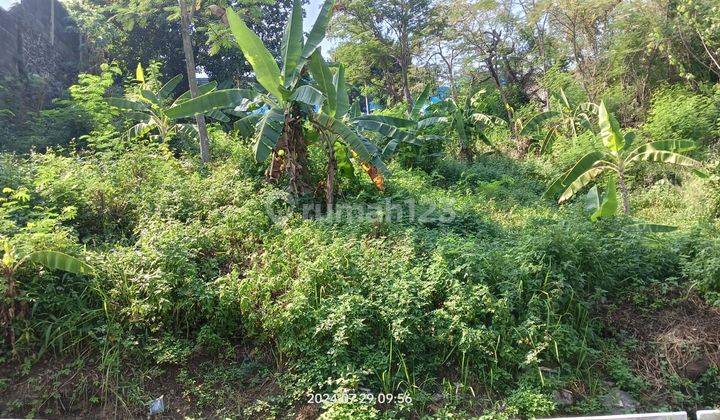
x=401, y=130
x=467, y=124
x=10, y=265
x=567, y=118
x=150, y=107
x=618, y=157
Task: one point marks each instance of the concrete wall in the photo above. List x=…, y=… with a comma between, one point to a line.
x=31, y=49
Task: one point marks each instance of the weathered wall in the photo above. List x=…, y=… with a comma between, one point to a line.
x=30, y=49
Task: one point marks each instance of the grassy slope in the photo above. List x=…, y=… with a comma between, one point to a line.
x=204, y=299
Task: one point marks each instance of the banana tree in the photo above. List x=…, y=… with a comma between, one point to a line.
x=290, y=98
x=332, y=122
x=10, y=265
x=572, y=117
x=566, y=118
x=150, y=109
x=400, y=130
x=465, y=122
x=618, y=157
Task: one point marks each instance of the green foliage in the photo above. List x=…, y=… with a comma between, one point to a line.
x=84, y=116
x=619, y=157
x=455, y=286
x=677, y=113
x=704, y=270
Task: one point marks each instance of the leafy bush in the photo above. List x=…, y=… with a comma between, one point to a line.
x=703, y=269
x=677, y=113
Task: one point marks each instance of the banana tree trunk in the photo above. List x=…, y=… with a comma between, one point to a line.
x=466, y=153
x=296, y=161
x=330, y=181
x=8, y=309
x=192, y=81
x=624, y=191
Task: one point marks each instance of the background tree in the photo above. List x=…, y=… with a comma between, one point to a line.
x=397, y=26
x=128, y=32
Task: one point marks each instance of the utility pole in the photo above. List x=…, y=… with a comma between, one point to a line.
x=185, y=23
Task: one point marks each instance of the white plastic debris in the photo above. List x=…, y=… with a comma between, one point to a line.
x=157, y=405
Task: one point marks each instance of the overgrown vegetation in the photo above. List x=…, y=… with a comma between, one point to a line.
x=333, y=262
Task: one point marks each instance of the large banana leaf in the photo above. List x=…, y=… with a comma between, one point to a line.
x=343, y=101
x=385, y=130
x=324, y=79
x=609, y=205
x=266, y=69
x=317, y=33
x=202, y=90
x=565, y=180
x=592, y=200
x=308, y=95
x=202, y=104
x=246, y=125
x=420, y=103
x=665, y=157
x=536, y=121
x=397, y=122
x=169, y=87
x=677, y=146
x=580, y=182
x=269, y=130
x=55, y=260
x=150, y=96
x=123, y=103
x=610, y=132
x=218, y=115
x=292, y=42
x=430, y=121
x=390, y=148
x=629, y=139
x=361, y=147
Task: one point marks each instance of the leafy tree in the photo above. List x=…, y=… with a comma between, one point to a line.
x=370, y=66
x=618, y=158
x=399, y=27
x=130, y=32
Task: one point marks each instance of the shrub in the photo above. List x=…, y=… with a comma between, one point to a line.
x=703, y=269
x=677, y=113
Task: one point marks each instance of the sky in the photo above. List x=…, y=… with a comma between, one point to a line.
x=312, y=10
x=5, y=4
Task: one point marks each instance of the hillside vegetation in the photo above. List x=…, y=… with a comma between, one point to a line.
x=485, y=255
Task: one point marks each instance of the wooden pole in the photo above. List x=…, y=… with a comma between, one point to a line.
x=192, y=81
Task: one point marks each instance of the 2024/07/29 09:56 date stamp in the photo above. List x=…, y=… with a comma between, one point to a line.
x=361, y=397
